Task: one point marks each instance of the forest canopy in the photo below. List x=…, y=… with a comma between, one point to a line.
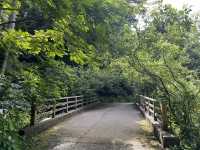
x=52, y=49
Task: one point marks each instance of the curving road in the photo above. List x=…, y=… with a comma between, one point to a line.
x=107, y=127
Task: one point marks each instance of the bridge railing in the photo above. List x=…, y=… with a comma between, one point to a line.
x=154, y=110
x=157, y=113
x=56, y=107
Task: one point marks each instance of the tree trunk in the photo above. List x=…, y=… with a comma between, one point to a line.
x=5, y=62
x=12, y=18
x=1, y=10
x=1, y=15
x=33, y=114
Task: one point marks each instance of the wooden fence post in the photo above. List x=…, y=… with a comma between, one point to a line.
x=163, y=107
x=76, y=101
x=82, y=101
x=67, y=106
x=86, y=101
x=154, y=112
x=54, y=110
x=149, y=112
x=140, y=103
x=33, y=113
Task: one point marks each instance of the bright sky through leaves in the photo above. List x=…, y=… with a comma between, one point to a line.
x=195, y=4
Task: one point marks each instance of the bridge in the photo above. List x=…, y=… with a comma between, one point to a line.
x=75, y=123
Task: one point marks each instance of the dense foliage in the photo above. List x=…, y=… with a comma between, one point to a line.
x=165, y=57
x=50, y=49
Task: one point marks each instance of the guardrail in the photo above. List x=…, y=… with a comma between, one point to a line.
x=56, y=107
x=155, y=111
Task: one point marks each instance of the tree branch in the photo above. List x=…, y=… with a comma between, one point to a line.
x=172, y=73
x=22, y=20
x=11, y=9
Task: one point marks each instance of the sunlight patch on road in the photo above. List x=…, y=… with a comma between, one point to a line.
x=145, y=126
x=63, y=146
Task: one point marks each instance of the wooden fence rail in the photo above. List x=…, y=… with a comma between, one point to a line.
x=56, y=107
x=155, y=110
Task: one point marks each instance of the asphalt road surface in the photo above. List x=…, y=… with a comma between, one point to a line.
x=118, y=126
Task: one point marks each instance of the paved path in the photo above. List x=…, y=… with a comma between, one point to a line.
x=107, y=127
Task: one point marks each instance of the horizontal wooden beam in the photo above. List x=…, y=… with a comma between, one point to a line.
x=55, y=107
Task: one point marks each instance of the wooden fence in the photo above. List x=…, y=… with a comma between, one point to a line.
x=155, y=110
x=56, y=107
